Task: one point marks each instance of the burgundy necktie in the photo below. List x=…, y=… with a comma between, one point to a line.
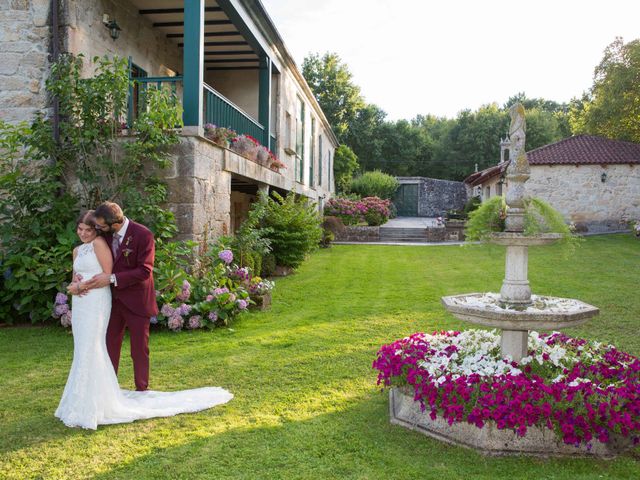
x=115, y=245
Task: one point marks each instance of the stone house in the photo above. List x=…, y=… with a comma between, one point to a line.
x=428, y=197
x=227, y=62
x=593, y=181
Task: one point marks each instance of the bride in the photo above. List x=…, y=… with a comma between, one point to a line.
x=92, y=395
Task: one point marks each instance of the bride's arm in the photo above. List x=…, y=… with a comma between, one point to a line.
x=74, y=287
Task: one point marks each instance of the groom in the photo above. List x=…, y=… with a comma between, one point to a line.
x=133, y=293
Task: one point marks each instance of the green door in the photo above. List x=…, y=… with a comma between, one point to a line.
x=406, y=200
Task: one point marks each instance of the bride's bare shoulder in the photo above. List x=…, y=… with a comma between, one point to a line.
x=100, y=242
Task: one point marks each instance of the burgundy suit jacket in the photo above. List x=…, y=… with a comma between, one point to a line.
x=133, y=268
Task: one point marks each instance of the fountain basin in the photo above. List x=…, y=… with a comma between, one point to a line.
x=521, y=240
x=489, y=440
x=545, y=313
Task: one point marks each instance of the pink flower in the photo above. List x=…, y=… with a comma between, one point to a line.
x=226, y=256
x=175, y=323
x=167, y=310
x=65, y=319
x=195, y=322
x=242, y=304
x=213, y=316
x=61, y=298
x=60, y=310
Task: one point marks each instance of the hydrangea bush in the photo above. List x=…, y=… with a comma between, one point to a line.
x=373, y=210
x=210, y=295
x=583, y=390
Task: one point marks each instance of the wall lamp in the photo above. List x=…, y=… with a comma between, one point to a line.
x=112, y=25
x=603, y=177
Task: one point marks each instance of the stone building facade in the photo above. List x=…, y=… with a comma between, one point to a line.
x=24, y=53
x=235, y=71
x=593, y=181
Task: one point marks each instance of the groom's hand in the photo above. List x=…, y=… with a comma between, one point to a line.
x=98, y=281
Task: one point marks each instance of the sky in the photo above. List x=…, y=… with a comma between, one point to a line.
x=413, y=57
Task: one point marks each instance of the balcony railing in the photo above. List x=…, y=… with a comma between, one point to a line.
x=222, y=112
x=216, y=108
x=138, y=88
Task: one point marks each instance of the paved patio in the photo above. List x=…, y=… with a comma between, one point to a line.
x=411, y=222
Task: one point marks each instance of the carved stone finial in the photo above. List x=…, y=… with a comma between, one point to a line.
x=518, y=170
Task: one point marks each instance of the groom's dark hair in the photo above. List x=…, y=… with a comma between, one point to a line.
x=110, y=212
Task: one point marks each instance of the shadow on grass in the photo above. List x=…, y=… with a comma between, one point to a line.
x=355, y=441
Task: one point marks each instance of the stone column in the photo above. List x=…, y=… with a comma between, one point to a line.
x=515, y=287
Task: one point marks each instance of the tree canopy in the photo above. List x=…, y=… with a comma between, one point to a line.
x=450, y=148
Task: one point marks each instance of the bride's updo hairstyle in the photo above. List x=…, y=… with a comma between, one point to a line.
x=110, y=212
x=88, y=218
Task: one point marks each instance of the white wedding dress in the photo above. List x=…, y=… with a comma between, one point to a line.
x=92, y=395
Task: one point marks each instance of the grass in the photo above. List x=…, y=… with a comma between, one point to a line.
x=306, y=405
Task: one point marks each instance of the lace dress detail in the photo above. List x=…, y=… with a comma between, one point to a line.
x=92, y=395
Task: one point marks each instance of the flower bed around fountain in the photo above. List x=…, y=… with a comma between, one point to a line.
x=567, y=397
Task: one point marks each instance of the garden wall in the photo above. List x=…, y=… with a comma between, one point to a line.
x=437, y=196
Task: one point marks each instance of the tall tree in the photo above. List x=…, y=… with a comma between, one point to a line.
x=345, y=164
x=332, y=85
x=612, y=106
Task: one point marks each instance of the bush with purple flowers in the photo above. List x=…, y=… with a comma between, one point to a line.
x=584, y=391
x=206, y=290
x=373, y=210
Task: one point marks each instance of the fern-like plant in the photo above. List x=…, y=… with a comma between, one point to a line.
x=539, y=218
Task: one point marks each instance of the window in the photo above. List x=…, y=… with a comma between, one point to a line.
x=499, y=188
x=312, y=153
x=136, y=91
x=287, y=132
x=487, y=192
x=299, y=140
x=320, y=160
x=329, y=169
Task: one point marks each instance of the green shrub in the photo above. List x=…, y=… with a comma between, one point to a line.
x=539, y=218
x=486, y=219
x=472, y=204
x=375, y=184
x=294, y=228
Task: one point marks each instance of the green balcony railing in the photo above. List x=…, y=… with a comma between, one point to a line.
x=274, y=145
x=216, y=108
x=222, y=112
x=138, y=88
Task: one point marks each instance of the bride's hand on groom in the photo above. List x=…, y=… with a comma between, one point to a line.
x=77, y=288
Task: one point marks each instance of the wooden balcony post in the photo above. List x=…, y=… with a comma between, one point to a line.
x=193, y=62
x=264, y=99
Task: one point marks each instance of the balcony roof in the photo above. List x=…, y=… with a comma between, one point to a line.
x=231, y=42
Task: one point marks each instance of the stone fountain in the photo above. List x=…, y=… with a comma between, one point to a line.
x=515, y=310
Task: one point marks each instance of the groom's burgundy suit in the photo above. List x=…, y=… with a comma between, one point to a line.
x=134, y=299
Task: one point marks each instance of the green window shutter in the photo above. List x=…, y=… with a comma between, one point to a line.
x=320, y=160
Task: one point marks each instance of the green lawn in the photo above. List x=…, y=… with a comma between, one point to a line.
x=306, y=403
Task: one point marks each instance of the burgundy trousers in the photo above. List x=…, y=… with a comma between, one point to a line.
x=138, y=326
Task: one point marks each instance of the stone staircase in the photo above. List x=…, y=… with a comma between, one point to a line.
x=394, y=234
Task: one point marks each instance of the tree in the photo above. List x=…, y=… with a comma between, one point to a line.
x=365, y=136
x=345, y=164
x=331, y=83
x=612, y=106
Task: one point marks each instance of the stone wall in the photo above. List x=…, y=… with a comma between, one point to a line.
x=580, y=195
x=436, y=196
x=85, y=33
x=24, y=50
x=199, y=189
x=358, y=234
